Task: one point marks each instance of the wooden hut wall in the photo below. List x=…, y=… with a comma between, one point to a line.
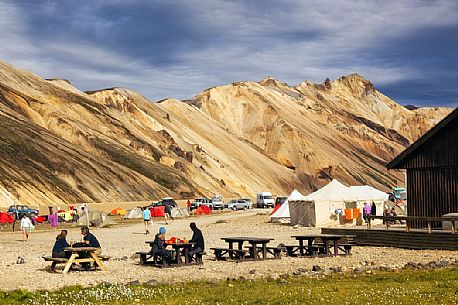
x=432, y=192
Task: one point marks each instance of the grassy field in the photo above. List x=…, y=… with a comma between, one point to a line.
x=401, y=287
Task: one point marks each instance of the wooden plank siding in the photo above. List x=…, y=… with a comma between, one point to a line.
x=432, y=192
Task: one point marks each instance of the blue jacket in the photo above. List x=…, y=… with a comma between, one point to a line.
x=59, y=245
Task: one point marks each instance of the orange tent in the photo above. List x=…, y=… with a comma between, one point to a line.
x=118, y=211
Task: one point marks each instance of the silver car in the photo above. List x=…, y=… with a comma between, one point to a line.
x=237, y=204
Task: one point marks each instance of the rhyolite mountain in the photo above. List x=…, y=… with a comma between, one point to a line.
x=59, y=145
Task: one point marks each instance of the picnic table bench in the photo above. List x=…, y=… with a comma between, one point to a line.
x=275, y=251
x=257, y=250
x=321, y=244
x=233, y=253
x=74, y=258
x=344, y=244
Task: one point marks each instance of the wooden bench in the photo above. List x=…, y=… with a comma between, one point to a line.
x=198, y=257
x=275, y=251
x=144, y=256
x=292, y=250
x=55, y=261
x=233, y=253
x=61, y=260
x=344, y=245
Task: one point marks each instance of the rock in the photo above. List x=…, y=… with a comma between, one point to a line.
x=327, y=272
x=135, y=256
x=124, y=258
x=20, y=260
x=316, y=268
x=253, y=271
x=152, y=282
x=302, y=270
x=242, y=278
x=369, y=271
x=274, y=276
x=358, y=270
x=297, y=272
x=283, y=282
x=134, y=283
x=336, y=269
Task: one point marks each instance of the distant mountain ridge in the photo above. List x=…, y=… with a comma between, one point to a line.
x=60, y=145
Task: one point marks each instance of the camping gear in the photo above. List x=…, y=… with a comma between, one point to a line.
x=179, y=212
x=203, y=210
x=134, y=213
x=281, y=214
x=158, y=211
x=118, y=211
x=94, y=219
x=6, y=218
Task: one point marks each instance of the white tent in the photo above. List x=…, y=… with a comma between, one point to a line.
x=134, y=213
x=333, y=191
x=368, y=193
x=318, y=208
x=282, y=214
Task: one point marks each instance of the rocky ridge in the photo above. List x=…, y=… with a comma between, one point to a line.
x=60, y=145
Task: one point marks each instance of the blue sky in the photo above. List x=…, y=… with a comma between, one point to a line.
x=408, y=49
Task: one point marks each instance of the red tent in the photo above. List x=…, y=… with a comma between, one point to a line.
x=275, y=209
x=203, y=209
x=158, y=211
x=6, y=218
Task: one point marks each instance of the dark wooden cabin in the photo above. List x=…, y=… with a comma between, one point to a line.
x=432, y=171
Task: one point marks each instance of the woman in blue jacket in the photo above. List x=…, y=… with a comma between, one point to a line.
x=60, y=244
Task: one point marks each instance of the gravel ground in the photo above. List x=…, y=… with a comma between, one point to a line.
x=121, y=242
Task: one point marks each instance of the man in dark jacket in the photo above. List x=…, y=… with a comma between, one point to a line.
x=198, y=239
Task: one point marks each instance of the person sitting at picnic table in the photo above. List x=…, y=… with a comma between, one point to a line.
x=88, y=240
x=60, y=244
x=198, y=239
x=158, y=247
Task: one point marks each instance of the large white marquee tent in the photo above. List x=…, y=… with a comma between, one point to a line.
x=319, y=208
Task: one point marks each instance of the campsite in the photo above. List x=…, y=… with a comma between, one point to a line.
x=122, y=241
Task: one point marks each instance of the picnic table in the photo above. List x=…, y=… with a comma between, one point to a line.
x=257, y=248
x=180, y=249
x=78, y=255
x=313, y=247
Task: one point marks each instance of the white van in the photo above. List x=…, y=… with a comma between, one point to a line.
x=264, y=200
x=217, y=202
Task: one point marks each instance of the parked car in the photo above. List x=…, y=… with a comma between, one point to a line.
x=249, y=202
x=200, y=201
x=280, y=200
x=237, y=204
x=21, y=210
x=217, y=202
x=264, y=200
x=166, y=201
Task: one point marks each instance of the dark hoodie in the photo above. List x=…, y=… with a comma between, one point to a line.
x=197, y=237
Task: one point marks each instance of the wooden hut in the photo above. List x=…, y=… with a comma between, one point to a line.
x=432, y=170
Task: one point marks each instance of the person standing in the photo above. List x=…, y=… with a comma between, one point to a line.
x=188, y=205
x=53, y=220
x=26, y=227
x=147, y=219
x=198, y=239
